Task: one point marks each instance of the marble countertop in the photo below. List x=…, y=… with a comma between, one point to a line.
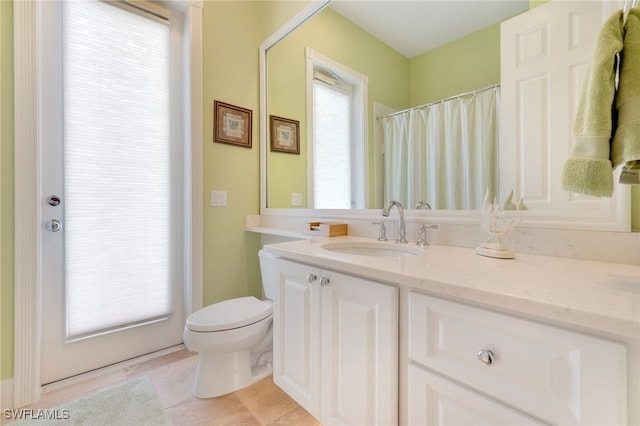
x=595, y=295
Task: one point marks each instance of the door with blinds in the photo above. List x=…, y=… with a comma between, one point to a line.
x=112, y=185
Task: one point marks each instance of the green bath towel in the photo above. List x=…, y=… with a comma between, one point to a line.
x=625, y=148
x=588, y=169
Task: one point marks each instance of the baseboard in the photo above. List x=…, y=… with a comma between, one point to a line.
x=6, y=394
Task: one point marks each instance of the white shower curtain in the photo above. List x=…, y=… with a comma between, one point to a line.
x=443, y=153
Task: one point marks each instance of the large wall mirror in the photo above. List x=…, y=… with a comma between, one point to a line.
x=374, y=61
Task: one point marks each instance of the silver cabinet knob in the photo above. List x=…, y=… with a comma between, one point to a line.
x=54, y=225
x=324, y=281
x=486, y=357
x=312, y=277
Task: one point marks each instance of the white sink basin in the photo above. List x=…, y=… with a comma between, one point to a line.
x=366, y=248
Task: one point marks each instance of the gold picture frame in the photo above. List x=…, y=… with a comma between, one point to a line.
x=285, y=135
x=232, y=124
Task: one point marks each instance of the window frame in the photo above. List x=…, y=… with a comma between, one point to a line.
x=359, y=119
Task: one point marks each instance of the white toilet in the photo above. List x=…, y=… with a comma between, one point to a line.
x=234, y=339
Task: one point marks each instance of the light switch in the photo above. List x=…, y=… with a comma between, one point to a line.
x=218, y=198
x=296, y=199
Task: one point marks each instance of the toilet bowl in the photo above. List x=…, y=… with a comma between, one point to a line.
x=234, y=339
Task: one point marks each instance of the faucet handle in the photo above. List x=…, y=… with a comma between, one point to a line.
x=382, y=232
x=422, y=234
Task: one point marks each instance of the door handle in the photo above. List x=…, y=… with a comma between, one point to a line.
x=54, y=225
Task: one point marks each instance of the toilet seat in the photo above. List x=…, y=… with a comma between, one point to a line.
x=229, y=314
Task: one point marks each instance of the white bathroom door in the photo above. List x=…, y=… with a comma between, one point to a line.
x=113, y=255
x=544, y=52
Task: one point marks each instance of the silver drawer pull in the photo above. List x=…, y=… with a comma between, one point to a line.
x=312, y=277
x=486, y=357
x=324, y=281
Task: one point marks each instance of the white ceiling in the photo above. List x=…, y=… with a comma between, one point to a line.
x=413, y=27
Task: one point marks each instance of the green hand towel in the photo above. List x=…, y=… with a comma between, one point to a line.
x=625, y=148
x=588, y=169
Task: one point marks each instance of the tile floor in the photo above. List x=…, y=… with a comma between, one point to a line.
x=172, y=375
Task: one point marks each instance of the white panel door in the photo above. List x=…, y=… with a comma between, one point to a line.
x=544, y=56
x=359, y=351
x=112, y=187
x=296, y=334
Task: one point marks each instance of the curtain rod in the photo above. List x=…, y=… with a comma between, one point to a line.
x=493, y=86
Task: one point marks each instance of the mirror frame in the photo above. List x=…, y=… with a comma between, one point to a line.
x=614, y=214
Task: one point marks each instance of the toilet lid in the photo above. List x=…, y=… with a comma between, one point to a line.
x=232, y=313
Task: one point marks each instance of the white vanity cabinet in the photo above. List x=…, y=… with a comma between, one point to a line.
x=296, y=334
x=335, y=344
x=467, y=363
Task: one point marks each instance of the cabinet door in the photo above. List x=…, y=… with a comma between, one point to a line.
x=296, y=334
x=436, y=401
x=359, y=351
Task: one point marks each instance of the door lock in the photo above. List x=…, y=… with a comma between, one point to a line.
x=53, y=200
x=54, y=225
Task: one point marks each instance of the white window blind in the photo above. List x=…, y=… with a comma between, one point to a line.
x=331, y=147
x=117, y=226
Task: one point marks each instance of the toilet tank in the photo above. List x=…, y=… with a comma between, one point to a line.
x=268, y=272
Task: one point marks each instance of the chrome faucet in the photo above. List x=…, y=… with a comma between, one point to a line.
x=402, y=233
x=423, y=205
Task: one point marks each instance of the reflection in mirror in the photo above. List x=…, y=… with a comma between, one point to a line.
x=395, y=81
x=337, y=143
x=443, y=153
x=537, y=107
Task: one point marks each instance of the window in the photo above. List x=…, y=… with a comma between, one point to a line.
x=336, y=134
x=119, y=156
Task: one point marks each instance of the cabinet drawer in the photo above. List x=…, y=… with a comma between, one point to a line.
x=552, y=373
x=434, y=400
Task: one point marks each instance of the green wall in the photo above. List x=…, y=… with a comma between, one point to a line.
x=230, y=76
x=469, y=63
x=232, y=33
x=337, y=38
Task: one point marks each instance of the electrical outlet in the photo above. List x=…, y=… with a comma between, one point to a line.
x=296, y=199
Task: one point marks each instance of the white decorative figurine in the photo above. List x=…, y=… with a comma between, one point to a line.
x=498, y=226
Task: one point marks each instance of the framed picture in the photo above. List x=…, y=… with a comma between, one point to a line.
x=285, y=135
x=232, y=124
